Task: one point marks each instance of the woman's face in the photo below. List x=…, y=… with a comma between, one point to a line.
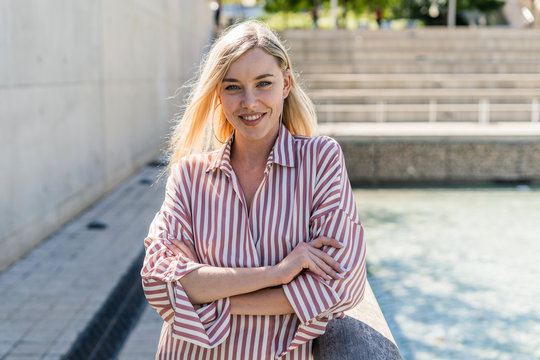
x=252, y=95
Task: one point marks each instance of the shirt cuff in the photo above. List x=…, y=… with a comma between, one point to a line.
x=310, y=297
x=208, y=326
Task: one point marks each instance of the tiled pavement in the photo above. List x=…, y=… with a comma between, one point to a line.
x=143, y=340
x=49, y=297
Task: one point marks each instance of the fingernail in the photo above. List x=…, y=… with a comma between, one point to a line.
x=168, y=242
x=341, y=244
x=329, y=277
x=344, y=269
x=169, y=252
x=340, y=276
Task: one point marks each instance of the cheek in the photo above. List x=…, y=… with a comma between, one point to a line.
x=228, y=104
x=274, y=100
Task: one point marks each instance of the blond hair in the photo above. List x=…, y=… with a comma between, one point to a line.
x=203, y=125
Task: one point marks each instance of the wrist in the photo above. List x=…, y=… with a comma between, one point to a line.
x=276, y=275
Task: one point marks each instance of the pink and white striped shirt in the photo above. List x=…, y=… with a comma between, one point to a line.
x=305, y=194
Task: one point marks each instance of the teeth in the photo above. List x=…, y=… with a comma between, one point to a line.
x=251, y=118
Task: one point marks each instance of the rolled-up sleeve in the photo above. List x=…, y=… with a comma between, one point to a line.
x=206, y=326
x=334, y=215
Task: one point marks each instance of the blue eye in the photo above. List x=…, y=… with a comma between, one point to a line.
x=232, y=87
x=264, y=83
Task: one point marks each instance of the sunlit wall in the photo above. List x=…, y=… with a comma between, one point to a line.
x=83, y=102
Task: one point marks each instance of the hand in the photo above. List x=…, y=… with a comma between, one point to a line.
x=183, y=247
x=307, y=255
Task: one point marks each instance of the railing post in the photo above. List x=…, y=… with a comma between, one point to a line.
x=451, y=20
x=483, y=111
x=535, y=110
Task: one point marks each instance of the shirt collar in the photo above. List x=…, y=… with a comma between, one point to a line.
x=283, y=152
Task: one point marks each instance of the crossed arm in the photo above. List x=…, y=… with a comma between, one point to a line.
x=256, y=291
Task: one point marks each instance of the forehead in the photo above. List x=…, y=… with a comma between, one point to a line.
x=253, y=63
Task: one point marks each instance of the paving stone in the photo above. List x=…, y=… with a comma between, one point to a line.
x=33, y=348
x=12, y=332
x=5, y=347
x=52, y=356
x=143, y=341
x=20, y=357
x=54, y=292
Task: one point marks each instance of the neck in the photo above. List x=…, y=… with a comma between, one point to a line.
x=250, y=153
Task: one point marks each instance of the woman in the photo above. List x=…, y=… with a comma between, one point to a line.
x=258, y=243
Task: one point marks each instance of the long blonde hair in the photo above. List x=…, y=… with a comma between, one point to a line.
x=203, y=125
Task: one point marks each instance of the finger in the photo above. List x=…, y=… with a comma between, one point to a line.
x=185, y=247
x=324, y=241
x=191, y=247
x=327, y=259
x=172, y=249
x=328, y=269
x=187, y=250
x=314, y=268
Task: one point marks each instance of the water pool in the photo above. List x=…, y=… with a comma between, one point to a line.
x=456, y=271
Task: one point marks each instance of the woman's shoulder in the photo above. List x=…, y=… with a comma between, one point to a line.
x=193, y=162
x=318, y=144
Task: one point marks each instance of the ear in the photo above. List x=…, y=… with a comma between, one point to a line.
x=287, y=82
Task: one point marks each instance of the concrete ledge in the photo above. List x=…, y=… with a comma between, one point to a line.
x=362, y=335
x=367, y=132
x=439, y=153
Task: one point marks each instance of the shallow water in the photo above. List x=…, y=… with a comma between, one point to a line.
x=456, y=271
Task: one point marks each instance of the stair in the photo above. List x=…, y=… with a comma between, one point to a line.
x=480, y=75
x=426, y=106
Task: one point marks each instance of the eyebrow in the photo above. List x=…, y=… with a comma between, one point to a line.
x=257, y=78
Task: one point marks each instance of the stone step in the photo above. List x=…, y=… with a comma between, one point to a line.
x=415, y=67
x=362, y=132
x=413, y=81
x=356, y=96
x=432, y=55
x=428, y=112
x=424, y=34
x=340, y=45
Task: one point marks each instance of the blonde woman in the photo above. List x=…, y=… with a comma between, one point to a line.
x=258, y=243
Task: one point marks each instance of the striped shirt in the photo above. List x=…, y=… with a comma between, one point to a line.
x=305, y=194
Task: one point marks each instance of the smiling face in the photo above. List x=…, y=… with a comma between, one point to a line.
x=252, y=94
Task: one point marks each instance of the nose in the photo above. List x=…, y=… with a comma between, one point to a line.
x=249, y=100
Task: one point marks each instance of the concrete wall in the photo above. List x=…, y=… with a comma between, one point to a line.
x=442, y=161
x=83, y=102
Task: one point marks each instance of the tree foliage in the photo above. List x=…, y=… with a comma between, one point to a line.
x=287, y=5
x=419, y=9
x=414, y=9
